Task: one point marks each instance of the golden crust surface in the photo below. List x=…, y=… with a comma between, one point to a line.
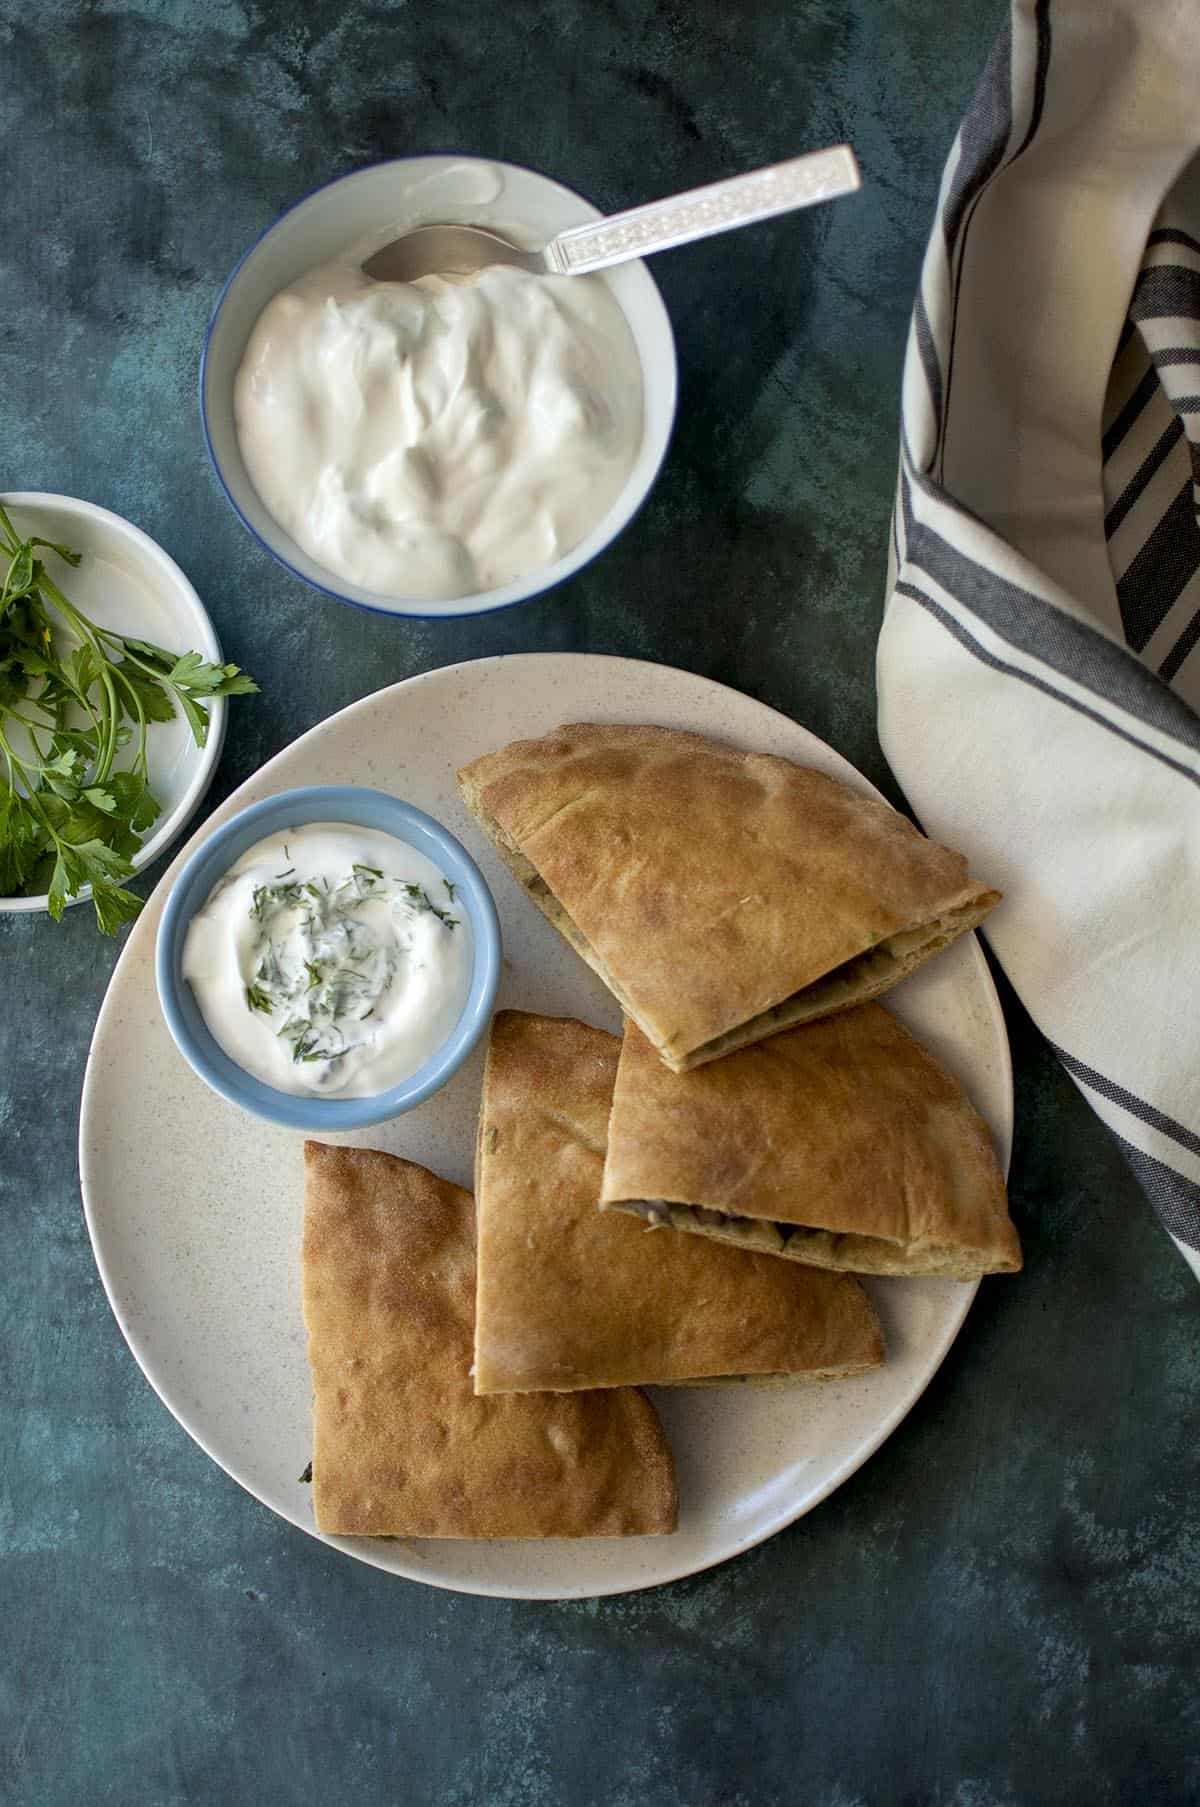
x=402, y=1447
x=570, y=1296
x=707, y=886
x=846, y=1126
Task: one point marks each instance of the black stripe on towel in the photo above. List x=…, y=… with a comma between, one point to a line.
x=1129, y=1101
x=1176, y=1199
x=1182, y=647
x=1166, y=291
x=1146, y=471
x=984, y=137
x=1167, y=562
x=1172, y=235
x=1034, y=627
x=1040, y=73
x=980, y=652
x=1121, y=424
x=929, y=358
x=1176, y=354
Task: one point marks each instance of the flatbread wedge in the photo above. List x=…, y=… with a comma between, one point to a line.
x=722, y=896
x=570, y=1297
x=839, y=1145
x=402, y=1447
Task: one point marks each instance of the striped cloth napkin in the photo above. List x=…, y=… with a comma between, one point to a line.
x=1039, y=661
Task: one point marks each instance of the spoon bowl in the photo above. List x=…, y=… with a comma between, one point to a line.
x=449, y=251
x=445, y=250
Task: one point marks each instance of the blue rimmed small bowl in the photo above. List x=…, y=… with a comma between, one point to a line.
x=292, y=810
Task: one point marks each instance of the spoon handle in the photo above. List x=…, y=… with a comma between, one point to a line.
x=702, y=212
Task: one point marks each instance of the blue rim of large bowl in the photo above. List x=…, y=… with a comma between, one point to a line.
x=195, y=1041
x=370, y=608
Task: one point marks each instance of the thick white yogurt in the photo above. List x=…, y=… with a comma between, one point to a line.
x=439, y=438
x=330, y=959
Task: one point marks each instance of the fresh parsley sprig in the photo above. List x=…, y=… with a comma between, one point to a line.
x=72, y=697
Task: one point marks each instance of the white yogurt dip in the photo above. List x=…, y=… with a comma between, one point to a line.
x=330, y=959
x=438, y=438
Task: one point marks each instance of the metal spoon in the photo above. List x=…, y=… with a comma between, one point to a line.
x=700, y=213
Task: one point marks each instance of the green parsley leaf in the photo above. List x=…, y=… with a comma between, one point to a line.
x=114, y=905
x=156, y=705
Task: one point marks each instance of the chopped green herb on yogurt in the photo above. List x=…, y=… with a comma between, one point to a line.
x=337, y=972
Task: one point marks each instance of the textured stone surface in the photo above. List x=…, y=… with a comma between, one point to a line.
x=1003, y=1606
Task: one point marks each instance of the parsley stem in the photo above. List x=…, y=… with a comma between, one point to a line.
x=152, y=671
x=140, y=762
x=80, y=696
x=32, y=799
x=8, y=760
x=26, y=721
x=11, y=542
x=88, y=633
x=27, y=765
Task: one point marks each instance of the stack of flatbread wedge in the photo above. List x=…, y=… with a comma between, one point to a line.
x=744, y=911
x=477, y=1365
x=570, y=1296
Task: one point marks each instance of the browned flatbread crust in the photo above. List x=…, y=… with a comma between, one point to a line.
x=570, y=1297
x=722, y=896
x=846, y=1128
x=402, y=1447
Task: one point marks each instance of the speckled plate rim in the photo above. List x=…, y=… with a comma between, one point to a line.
x=393, y=1557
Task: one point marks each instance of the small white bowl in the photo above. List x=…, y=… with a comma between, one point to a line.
x=127, y=583
x=371, y=208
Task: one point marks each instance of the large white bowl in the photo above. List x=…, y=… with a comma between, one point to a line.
x=370, y=208
x=127, y=583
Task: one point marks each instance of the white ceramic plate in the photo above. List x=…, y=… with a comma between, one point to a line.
x=126, y=582
x=195, y=1209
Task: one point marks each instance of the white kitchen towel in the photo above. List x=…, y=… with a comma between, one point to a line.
x=1039, y=661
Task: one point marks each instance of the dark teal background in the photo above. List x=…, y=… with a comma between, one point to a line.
x=1004, y=1605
